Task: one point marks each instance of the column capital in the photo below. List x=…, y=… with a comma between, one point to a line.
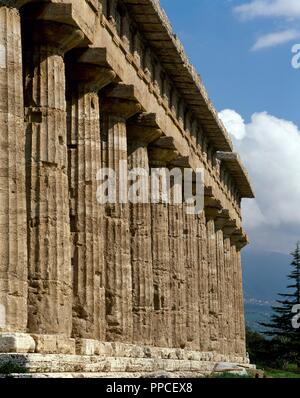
x=159, y=157
x=87, y=66
x=210, y=201
x=121, y=100
x=52, y=26
x=239, y=239
x=182, y=162
x=221, y=219
x=143, y=128
x=166, y=150
x=211, y=213
x=229, y=228
x=235, y=233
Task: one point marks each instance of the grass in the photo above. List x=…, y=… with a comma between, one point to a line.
x=281, y=374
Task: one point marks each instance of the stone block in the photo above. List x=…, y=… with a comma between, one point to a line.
x=105, y=349
x=16, y=342
x=53, y=344
x=86, y=347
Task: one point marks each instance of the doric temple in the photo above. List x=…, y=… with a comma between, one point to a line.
x=116, y=288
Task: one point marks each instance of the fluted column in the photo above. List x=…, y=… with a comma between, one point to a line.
x=222, y=298
x=141, y=130
x=240, y=344
x=242, y=347
x=13, y=234
x=192, y=278
x=118, y=106
x=212, y=283
x=235, y=296
x=162, y=262
x=49, y=254
x=202, y=246
x=229, y=294
x=86, y=214
x=178, y=273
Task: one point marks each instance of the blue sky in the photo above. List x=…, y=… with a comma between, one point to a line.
x=219, y=44
x=243, y=51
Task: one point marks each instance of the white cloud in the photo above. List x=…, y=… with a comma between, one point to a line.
x=270, y=150
x=285, y=9
x=275, y=39
x=269, y=8
x=234, y=122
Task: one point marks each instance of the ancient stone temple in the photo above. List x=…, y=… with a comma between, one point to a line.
x=113, y=288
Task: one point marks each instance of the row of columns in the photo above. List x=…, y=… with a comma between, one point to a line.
x=143, y=273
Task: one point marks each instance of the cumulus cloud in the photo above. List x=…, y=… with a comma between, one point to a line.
x=270, y=149
x=236, y=123
x=269, y=8
x=275, y=39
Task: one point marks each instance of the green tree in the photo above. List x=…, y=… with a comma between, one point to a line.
x=285, y=344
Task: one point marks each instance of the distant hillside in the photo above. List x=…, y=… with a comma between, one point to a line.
x=264, y=275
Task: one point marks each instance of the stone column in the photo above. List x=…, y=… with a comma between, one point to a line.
x=162, y=262
x=49, y=240
x=86, y=214
x=236, y=314
x=212, y=281
x=202, y=246
x=118, y=105
x=222, y=298
x=228, y=261
x=141, y=130
x=240, y=344
x=242, y=336
x=13, y=234
x=178, y=274
x=192, y=278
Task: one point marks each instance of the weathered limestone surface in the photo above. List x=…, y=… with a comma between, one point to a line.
x=49, y=254
x=203, y=281
x=161, y=261
x=178, y=275
x=141, y=131
x=13, y=233
x=119, y=105
x=86, y=215
x=212, y=286
x=97, y=288
x=223, y=331
x=229, y=295
x=192, y=278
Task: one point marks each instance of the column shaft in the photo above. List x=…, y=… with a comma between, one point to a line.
x=234, y=264
x=242, y=331
x=192, y=278
x=178, y=276
x=141, y=254
x=221, y=290
x=84, y=150
x=49, y=240
x=213, y=286
x=229, y=296
x=202, y=245
x=117, y=248
x=13, y=240
x=161, y=275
